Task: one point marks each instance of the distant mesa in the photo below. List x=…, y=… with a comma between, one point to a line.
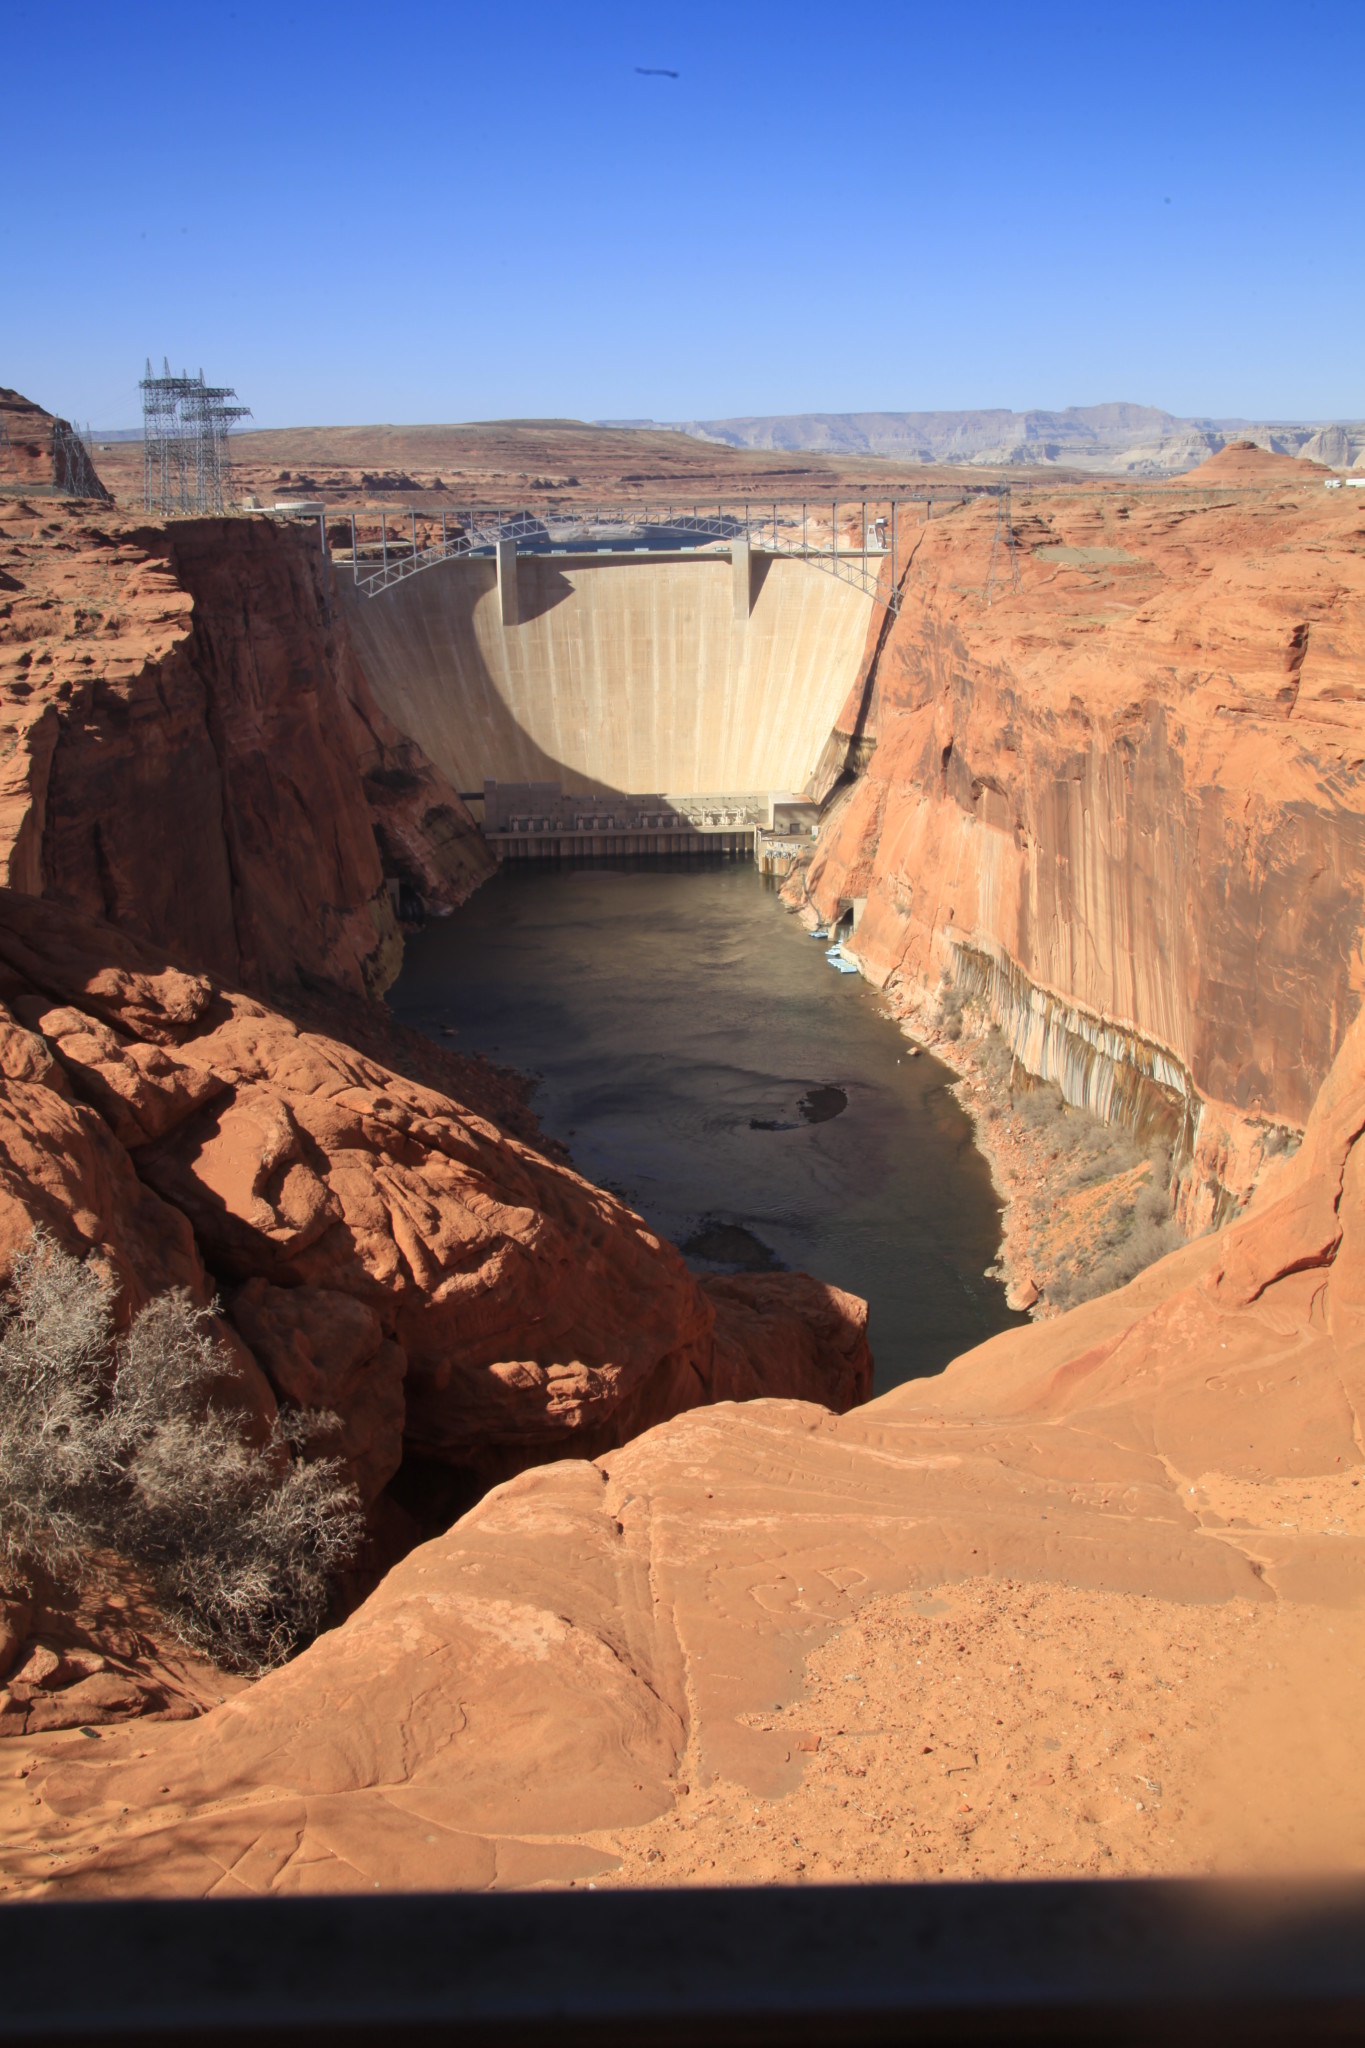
x=1247, y=462
x=1117, y=439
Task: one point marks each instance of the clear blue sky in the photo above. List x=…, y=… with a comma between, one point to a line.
x=445, y=212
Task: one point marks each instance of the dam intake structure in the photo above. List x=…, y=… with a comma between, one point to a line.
x=542, y=821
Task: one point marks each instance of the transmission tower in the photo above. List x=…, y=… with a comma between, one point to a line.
x=1004, y=523
x=185, y=428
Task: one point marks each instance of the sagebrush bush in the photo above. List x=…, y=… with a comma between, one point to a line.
x=1079, y=1150
x=1040, y=1103
x=111, y=1444
x=1115, y=1265
x=996, y=1057
x=951, y=1003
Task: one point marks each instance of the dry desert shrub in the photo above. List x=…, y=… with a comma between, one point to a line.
x=112, y=1444
x=1079, y=1151
x=951, y=1003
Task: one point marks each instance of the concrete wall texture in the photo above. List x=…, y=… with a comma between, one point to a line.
x=623, y=672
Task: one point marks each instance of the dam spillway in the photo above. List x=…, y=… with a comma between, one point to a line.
x=619, y=673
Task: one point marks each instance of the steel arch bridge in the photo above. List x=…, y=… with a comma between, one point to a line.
x=800, y=530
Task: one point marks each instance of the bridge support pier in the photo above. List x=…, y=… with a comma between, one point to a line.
x=741, y=563
x=508, y=607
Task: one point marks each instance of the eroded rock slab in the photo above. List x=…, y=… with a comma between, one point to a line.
x=616, y=1661
x=383, y=1251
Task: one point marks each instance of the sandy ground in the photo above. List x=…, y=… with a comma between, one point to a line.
x=984, y=1730
x=989, y=1727
x=1007, y=1730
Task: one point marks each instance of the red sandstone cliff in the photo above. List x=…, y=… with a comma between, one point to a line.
x=42, y=453
x=1123, y=801
x=383, y=1251
x=189, y=749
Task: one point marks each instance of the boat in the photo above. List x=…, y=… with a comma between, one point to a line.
x=820, y=931
x=840, y=961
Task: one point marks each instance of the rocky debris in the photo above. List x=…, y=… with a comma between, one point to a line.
x=1084, y=1207
x=52, y=1688
x=94, y=1657
x=1131, y=789
x=1067, y=1606
x=196, y=679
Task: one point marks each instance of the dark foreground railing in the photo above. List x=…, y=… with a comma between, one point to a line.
x=1119, y=1961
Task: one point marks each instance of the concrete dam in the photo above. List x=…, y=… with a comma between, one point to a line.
x=715, y=674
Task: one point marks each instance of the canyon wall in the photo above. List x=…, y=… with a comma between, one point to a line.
x=1122, y=801
x=626, y=672
x=189, y=748
x=41, y=453
x=201, y=804
x=384, y=1251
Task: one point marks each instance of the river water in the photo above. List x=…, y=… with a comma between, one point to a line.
x=699, y=1057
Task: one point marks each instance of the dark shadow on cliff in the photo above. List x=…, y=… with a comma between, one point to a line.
x=541, y=586
x=503, y=739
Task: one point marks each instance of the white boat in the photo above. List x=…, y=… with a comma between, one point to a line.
x=820, y=931
x=840, y=961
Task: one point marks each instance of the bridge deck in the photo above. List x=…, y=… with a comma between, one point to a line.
x=790, y=529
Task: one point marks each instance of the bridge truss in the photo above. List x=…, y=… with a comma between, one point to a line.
x=802, y=530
